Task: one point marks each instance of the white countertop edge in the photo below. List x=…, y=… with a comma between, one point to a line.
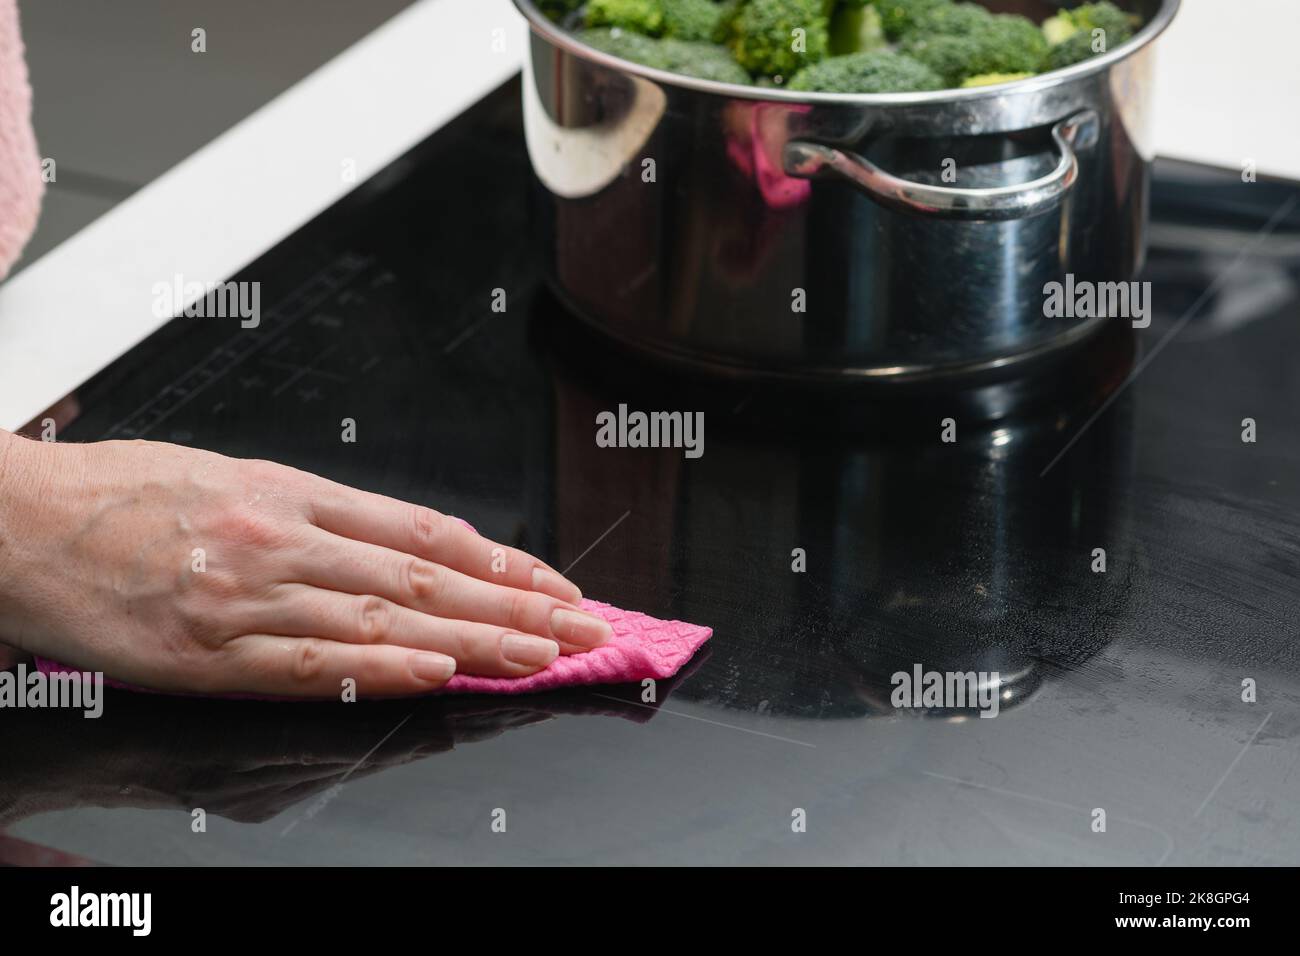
x=89, y=300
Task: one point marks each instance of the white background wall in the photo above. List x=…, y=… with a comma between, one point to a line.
x=1229, y=84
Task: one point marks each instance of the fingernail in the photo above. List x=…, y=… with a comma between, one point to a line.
x=432, y=667
x=529, y=651
x=548, y=582
x=575, y=627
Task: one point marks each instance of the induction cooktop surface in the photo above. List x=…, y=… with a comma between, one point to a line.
x=832, y=540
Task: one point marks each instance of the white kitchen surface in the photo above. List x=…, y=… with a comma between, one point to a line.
x=1228, y=86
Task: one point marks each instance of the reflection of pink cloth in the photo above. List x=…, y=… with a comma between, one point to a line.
x=642, y=647
x=21, y=185
x=751, y=154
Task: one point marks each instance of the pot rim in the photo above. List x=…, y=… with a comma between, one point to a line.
x=558, y=36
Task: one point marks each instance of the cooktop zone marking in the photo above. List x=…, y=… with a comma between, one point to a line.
x=470, y=330
x=301, y=370
x=1241, y=753
x=290, y=367
x=1281, y=213
x=460, y=339
x=597, y=541
x=238, y=349
x=1059, y=804
x=705, y=720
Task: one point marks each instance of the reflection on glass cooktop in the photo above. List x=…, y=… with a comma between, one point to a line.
x=1123, y=689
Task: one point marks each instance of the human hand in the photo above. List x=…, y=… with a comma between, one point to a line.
x=178, y=569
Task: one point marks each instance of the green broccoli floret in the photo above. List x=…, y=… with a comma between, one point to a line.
x=1119, y=26
x=1091, y=16
x=779, y=37
x=728, y=11
x=627, y=45
x=1073, y=49
x=684, y=19
x=690, y=19
x=875, y=71
x=557, y=10
x=952, y=57
x=992, y=79
x=1012, y=44
x=856, y=28
x=1000, y=43
x=898, y=17
x=643, y=16
x=703, y=60
x=952, y=18
x=1073, y=36
x=1059, y=28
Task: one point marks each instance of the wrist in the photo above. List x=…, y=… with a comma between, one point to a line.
x=6, y=440
x=23, y=467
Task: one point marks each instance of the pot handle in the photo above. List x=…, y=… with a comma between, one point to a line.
x=808, y=160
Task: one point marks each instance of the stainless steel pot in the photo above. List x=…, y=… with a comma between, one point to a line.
x=794, y=235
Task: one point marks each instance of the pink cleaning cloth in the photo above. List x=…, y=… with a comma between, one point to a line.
x=642, y=647
x=21, y=184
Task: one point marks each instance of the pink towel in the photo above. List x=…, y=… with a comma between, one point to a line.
x=21, y=185
x=642, y=647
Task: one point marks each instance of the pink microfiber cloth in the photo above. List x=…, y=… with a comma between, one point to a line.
x=642, y=647
x=21, y=185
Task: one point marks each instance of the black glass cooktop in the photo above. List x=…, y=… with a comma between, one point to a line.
x=1123, y=689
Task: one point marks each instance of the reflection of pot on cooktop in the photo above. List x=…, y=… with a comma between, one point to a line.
x=954, y=557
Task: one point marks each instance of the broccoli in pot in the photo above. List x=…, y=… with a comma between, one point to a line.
x=985, y=43
x=778, y=38
x=993, y=79
x=705, y=61
x=692, y=20
x=875, y=71
x=899, y=17
x=844, y=46
x=640, y=16
x=1086, y=31
x=856, y=28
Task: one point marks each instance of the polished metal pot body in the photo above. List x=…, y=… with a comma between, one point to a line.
x=900, y=237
